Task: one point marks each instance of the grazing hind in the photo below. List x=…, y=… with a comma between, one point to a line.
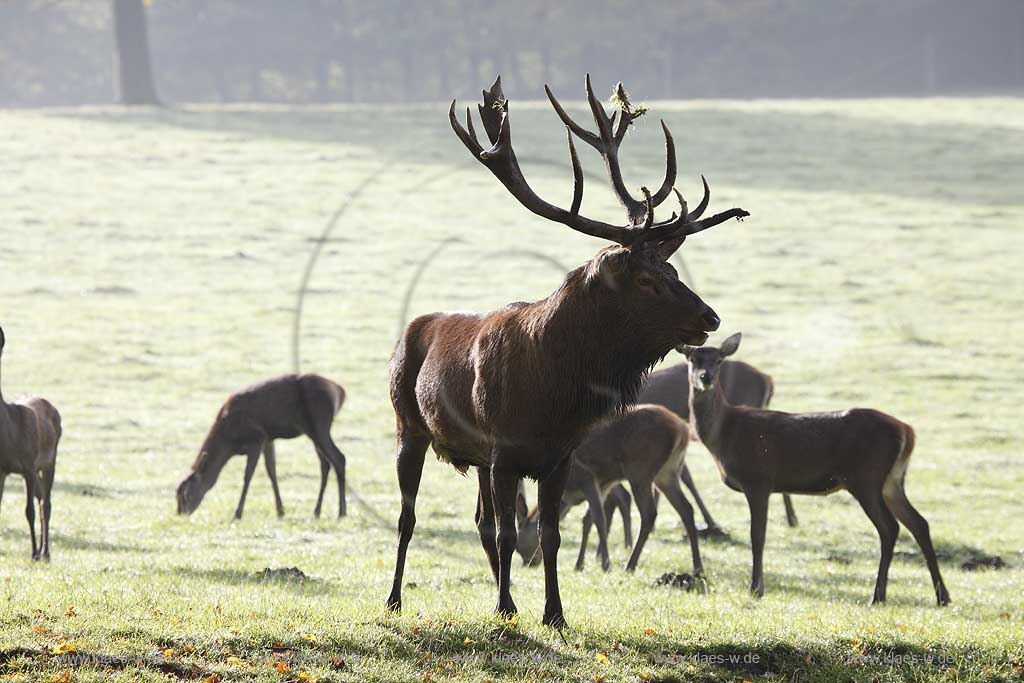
x=760, y=452
x=249, y=421
x=30, y=430
x=644, y=446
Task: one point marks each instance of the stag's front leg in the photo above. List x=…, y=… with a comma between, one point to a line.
x=504, y=489
x=757, y=500
x=30, y=510
x=550, y=502
x=253, y=457
x=485, y=520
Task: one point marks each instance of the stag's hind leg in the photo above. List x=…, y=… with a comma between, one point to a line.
x=791, y=519
x=410, y=470
x=896, y=500
x=504, y=490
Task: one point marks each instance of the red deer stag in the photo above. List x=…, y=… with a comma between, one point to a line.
x=512, y=392
x=644, y=446
x=744, y=385
x=30, y=430
x=281, y=408
x=760, y=452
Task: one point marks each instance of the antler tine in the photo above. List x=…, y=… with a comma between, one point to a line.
x=581, y=132
x=718, y=218
x=601, y=118
x=501, y=160
x=577, y=176
x=670, y=167
x=699, y=211
x=649, y=220
x=468, y=137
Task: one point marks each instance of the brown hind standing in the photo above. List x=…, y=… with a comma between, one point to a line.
x=644, y=446
x=760, y=452
x=249, y=421
x=744, y=385
x=30, y=430
x=513, y=392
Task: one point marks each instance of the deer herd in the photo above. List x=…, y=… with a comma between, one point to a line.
x=558, y=391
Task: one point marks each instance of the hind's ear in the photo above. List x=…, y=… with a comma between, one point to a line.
x=730, y=345
x=522, y=512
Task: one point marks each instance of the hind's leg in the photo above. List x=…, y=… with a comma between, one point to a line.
x=325, y=446
x=791, y=519
x=677, y=499
x=712, y=528
x=48, y=476
x=619, y=498
x=647, y=506
x=410, y=469
x=31, y=485
x=588, y=521
x=270, y=462
x=896, y=500
x=871, y=501
x=595, y=507
x=325, y=471
x=485, y=524
x=252, y=457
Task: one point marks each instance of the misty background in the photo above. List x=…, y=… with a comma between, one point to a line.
x=64, y=52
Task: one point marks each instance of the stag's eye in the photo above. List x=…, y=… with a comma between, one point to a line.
x=645, y=281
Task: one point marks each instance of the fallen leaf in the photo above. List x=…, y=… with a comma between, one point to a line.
x=235, y=661
x=598, y=679
x=64, y=647
x=212, y=678
x=168, y=653
x=309, y=636
x=644, y=675
x=468, y=641
x=337, y=662
x=40, y=630
x=648, y=631
x=63, y=677
x=72, y=612
x=282, y=668
x=602, y=658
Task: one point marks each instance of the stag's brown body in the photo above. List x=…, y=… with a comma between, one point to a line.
x=513, y=392
x=250, y=420
x=758, y=452
x=30, y=430
x=744, y=385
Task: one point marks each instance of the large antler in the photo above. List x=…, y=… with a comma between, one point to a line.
x=501, y=160
x=607, y=140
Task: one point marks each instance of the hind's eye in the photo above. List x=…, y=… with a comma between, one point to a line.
x=645, y=281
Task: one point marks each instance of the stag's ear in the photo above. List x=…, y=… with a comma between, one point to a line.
x=730, y=345
x=608, y=266
x=669, y=247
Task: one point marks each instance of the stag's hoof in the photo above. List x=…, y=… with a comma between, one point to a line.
x=713, y=531
x=280, y=513
x=942, y=596
x=579, y=566
x=394, y=604
x=554, y=620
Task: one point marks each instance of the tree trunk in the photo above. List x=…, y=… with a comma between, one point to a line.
x=135, y=74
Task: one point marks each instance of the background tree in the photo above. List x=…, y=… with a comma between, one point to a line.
x=134, y=68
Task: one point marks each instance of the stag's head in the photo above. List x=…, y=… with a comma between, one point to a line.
x=706, y=361
x=636, y=271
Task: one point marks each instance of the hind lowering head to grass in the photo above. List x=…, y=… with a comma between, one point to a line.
x=249, y=421
x=760, y=452
x=30, y=430
x=513, y=392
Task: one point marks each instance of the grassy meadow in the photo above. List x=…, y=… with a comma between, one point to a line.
x=151, y=264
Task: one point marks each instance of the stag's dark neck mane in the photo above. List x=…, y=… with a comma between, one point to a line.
x=599, y=355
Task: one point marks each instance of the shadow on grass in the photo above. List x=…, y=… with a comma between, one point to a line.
x=59, y=542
